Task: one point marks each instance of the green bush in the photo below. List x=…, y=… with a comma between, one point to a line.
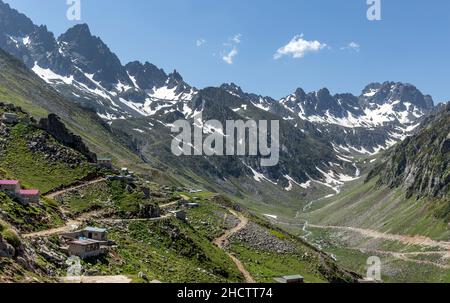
x=3, y=226
x=11, y=237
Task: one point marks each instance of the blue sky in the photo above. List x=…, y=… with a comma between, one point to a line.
x=411, y=43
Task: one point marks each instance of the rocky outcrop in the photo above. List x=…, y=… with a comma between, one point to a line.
x=53, y=125
x=263, y=240
x=6, y=249
x=149, y=211
x=421, y=164
x=53, y=152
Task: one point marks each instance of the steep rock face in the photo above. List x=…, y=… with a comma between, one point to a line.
x=6, y=249
x=90, y=55
x=146, y=76
x=421, y=164
x=57, y=129
x=391, y=92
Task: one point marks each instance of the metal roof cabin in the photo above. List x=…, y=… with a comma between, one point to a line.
x=94, y=233
x=295, y=279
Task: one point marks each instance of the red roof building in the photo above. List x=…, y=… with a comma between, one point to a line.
x=29, y=195
x=11, y=186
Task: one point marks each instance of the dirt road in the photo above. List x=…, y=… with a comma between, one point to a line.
x=70, y=226
x=96, y=280
x=165, y=217
x=412, y=240
x=69, y=189
x=409, y=256
x=223, y=241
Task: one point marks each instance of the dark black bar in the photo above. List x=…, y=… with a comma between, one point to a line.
x=224, y=292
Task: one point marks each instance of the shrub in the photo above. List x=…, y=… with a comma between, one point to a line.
x=11, y=237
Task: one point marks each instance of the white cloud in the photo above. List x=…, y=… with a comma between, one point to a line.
x=236, y=39
x=200, y=42
x=299, y=47
x=352, y=46
x=229, y=57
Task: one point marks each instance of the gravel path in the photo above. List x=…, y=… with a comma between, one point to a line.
x=223, y=242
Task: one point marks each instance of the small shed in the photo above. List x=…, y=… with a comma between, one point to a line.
x=104, y=162
x=10, y=186
x=94, y=233
x=296, y=279
x=28, y=196
x=85, y=248
x=10, y=118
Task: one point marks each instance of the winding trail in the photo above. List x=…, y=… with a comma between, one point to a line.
x=96, y=280
x=74, y=224
x=223, y=241
x=409, y=256
x=69, y=189
x=412, y=240
x=114, y=221
x=70, y=226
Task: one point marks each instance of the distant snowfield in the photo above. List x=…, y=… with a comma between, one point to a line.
x=165, y=100
x=49, y=76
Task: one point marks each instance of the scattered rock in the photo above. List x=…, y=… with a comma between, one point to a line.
x=261, y=239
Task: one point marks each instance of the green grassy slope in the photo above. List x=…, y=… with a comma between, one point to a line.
x=21, y=87
x=365, y=205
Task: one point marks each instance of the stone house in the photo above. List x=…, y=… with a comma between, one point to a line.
x=26, y=196
x=85, y=248
x=94, y=233
x=104, y=162
x=296, y=279
x=10, y=118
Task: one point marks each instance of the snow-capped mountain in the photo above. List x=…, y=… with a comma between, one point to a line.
x=321, y=132
x=83, y=68
x=381, y=116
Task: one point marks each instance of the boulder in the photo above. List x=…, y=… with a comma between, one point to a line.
x=6, y=249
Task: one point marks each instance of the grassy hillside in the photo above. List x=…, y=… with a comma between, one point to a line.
x=21, y=87
x=366, y=205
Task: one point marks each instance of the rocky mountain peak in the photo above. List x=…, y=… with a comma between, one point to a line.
x=175, y=76
x=300, y=93
x=396, y=93
x=76, y=34
x=147, y=76
x=92, y=56
x=14, y=23
x=233, y=89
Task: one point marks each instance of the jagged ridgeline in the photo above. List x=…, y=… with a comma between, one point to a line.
x=135, y=103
